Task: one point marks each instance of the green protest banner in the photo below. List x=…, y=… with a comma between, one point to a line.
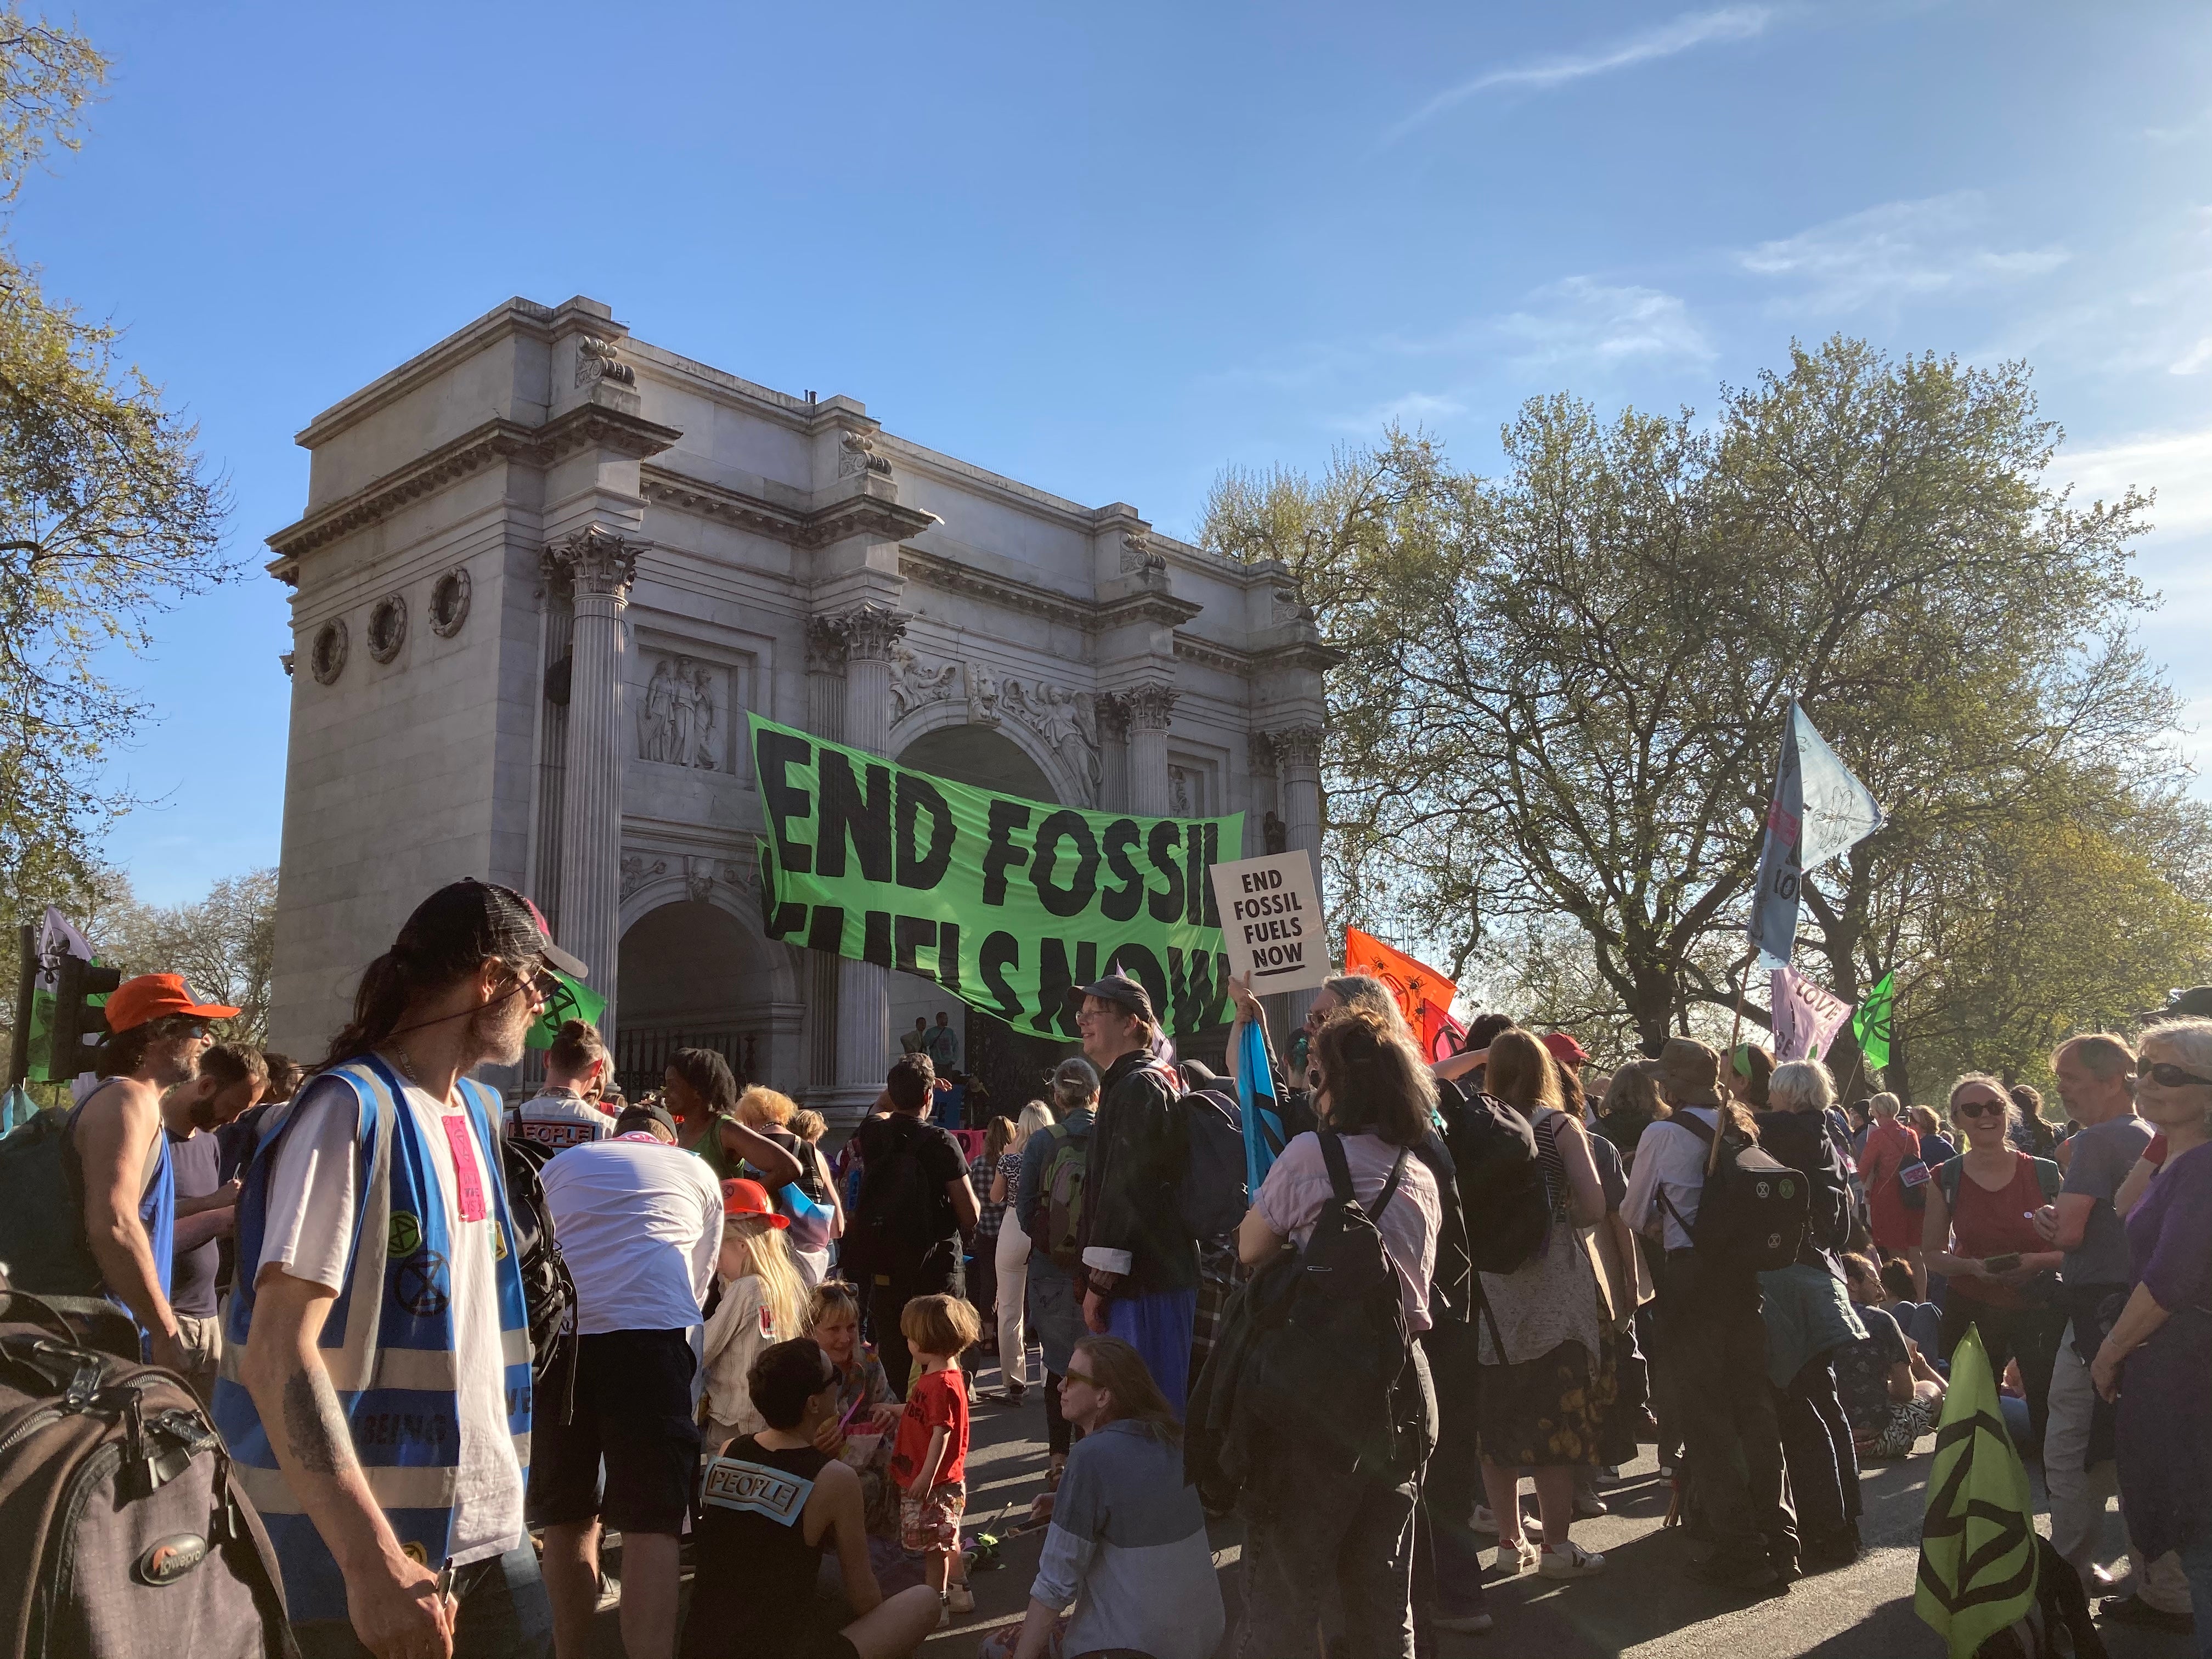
x=570, y=999
x=1007, y=904
x=1978, y=1558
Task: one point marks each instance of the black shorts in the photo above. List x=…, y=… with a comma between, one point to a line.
x=634, y=1412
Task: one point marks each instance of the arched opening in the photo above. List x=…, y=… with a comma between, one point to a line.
x=692, y=977
x=1007, y=1063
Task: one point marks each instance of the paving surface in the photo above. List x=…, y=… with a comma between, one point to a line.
x=1642, y=1606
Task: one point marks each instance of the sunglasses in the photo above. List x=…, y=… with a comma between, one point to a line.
x=1980, y=1108
x=2170, y=1077
x=1077, y=1376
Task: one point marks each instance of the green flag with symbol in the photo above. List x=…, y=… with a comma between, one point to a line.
x=1978, y=1542
x=1870, y=1025
x=570, y=999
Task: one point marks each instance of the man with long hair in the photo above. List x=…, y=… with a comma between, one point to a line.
x=156, y=1035
x=376, y=1391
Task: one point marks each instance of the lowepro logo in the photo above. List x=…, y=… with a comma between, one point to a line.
x=170, y=1558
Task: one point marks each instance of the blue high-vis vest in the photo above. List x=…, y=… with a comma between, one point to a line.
x=388, y=1340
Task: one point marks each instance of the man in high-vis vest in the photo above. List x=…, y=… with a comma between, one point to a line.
x=375, y=1391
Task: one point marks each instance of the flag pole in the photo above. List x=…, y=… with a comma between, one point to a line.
x=1742, y=983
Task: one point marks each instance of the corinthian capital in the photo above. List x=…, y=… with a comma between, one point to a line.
x=825, y=645
x=1150, y=705
x=1298, y=748
x=594, y=560
x=870, y=629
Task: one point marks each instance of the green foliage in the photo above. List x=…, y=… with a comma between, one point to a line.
x=106, y=515
x=1555, y=726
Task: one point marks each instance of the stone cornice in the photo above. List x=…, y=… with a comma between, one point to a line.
x=935, y=570
x=1152, y=607
x=860, y=514
x=496, y=440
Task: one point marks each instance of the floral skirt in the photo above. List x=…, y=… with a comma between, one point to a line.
x=1546, y=1412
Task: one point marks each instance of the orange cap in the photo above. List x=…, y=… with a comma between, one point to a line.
x=750, y=1198
x=157, y=996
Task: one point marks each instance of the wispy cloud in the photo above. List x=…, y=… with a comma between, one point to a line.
x=1582, y=320
x=2176, y=465
x=1680, y=34
x=1901, y=250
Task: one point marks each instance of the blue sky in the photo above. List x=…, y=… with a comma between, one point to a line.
x=1111, y=250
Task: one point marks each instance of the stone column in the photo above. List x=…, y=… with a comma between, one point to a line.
x=825, y=718
x=864, y=1003
x=1298, y=773
x=600, y=566
x=1149, y=707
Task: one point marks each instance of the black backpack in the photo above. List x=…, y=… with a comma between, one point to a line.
x=1501, y=1184
x=897, y=1218
x=42, y=1242
x=1326, y=1375
x=548, y=1292
x=129, y=1530
x=1213, y=1198
x=1754, y=1213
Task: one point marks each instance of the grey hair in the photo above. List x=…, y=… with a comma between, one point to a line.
x=2190, y=1041
x=1802, y=1086
x=1075, y=1083
x=1365, y=991
x=1884, y=1099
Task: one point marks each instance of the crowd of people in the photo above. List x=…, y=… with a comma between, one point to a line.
x=1456, y=1277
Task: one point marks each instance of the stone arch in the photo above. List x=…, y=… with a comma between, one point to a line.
x=1061, y=787
x=699, y=972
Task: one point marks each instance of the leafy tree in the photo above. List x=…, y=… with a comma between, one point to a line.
x=1563, y=689
x=108, y=515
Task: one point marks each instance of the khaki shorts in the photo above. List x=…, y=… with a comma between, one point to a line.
x=202, y=1338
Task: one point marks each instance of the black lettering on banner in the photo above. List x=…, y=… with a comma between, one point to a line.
x=1120, y=903
x=1137, y=961
x=1002, y=855
x=777, y=921
x=1161, y=846
x=876, y=937
x=1194, y=861
x=1075, y=898
x=948, y=955
x=909, y=934
x=865, y=815
x=1001, y=952
x=828, y=931
x=1055, y=981
x=1200, y=983
x=781, y=800
x=916, y=796
x=1211, y=918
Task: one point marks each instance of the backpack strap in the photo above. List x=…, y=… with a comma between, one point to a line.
x=1948, y=1176
x=1339, y=1172
x=2048, y=1176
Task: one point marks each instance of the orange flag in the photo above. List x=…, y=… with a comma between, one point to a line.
x=1424, y=996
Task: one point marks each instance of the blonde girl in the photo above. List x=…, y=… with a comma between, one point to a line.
x=763, y=1302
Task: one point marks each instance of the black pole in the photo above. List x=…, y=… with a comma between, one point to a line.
x=27, y=968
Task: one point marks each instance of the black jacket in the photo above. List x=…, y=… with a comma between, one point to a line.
x=1800, y=1140
x=1132, y=1201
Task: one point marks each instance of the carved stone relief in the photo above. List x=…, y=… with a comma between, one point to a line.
x=1137, y=554
x=856, y=454
x=600, y=360
x=1275, y=834
x=635, y=871
x=982, y=695
x=914, y=683
x=679, y=721
x=327, y=658
x=1067, y=720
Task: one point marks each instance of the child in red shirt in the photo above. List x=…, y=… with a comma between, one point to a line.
x=929, y=1458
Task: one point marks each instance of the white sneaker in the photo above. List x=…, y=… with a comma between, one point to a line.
x=1516, y=1555
x=1483, y=1520
x=1572, y=1560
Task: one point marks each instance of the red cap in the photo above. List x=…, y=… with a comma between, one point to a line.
x=750, y=1198
x=1565, y=1050
x=157, y=996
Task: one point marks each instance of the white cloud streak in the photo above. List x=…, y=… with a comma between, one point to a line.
x=2176, y=465
x=1582, y=320
x=1680, y=34
x=1901, y=250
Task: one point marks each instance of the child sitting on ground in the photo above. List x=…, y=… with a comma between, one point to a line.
x=763, y=1303
x=929, y=1462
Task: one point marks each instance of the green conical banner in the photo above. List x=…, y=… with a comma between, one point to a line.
x=1870, y=1025
x=573, y=999
x=1977, y=1542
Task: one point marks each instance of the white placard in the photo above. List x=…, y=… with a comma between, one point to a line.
x=1271, y=922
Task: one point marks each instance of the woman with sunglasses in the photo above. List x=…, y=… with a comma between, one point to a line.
x=1980, y=1232
x=2159, y=1351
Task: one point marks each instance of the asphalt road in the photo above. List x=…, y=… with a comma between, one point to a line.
x=1642, y=1606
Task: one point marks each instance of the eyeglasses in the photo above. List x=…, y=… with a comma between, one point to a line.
x=2170, y=1077
x=1979, y=1108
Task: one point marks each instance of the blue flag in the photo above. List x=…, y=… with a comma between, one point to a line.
x=1818, y=810
x=1255, y=1098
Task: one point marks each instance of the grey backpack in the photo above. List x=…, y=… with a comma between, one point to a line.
x=128, y=1539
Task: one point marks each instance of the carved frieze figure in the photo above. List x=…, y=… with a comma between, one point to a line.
x=680, y=713
x=1179, y=792
x=653, y=719
x=914, y=684
x=702, y=754
x=1067, y=720
x=635, y=871
x=982, y=695
x=1275, y=834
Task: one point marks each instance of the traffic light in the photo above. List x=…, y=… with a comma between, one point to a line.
x=78, y=1024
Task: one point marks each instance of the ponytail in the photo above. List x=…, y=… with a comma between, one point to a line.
x=378, y=1003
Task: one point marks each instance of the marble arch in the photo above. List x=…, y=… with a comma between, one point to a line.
x=908, y=734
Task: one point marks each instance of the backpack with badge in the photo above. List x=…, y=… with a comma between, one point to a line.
x=1325, y=1374
x=1501, y=1182
x=130, y=1532
x=548, y=1292
x=1055, y=1224
x=1754, y=1210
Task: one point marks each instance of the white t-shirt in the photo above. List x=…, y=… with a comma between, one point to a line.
x=1670, y=1162
x=640, y=1223
x=559, y=1119
x=311, y=1207
x=1298, y=1185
